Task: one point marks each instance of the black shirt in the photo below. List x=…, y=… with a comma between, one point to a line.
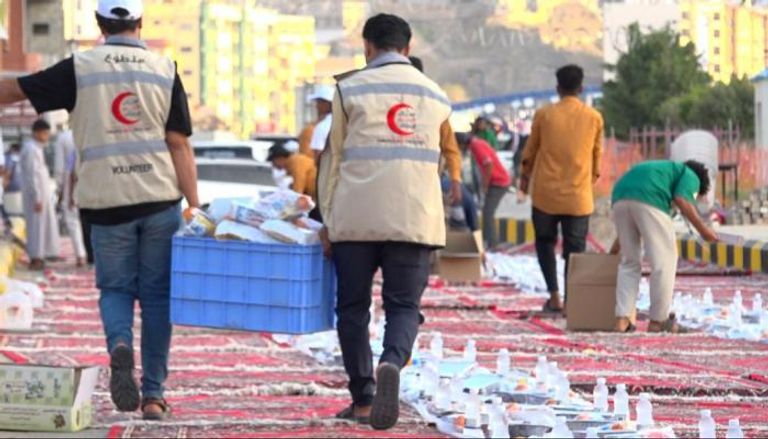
x=56, y=89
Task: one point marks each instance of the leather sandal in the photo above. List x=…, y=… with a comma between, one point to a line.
x=348, y=414
x=669, y=326
x=165, y=409
x=548, y=308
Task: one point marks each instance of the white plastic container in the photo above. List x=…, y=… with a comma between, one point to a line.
x=502, y=362
x=32, y=290
x=470, y=351
x=644, y=410
x=621, y=403
x=600, y=395
x=734, y=430
x=16, y=311
x=707, y=425
x=436, y=346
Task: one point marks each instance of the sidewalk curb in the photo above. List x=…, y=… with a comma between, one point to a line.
x=751, y=255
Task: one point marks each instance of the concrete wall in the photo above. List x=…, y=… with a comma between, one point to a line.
x=45, y=29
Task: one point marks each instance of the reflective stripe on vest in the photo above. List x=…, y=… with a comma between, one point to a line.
x=394, y=89
x=390, y=153
x=125, y=77
x=123, y=148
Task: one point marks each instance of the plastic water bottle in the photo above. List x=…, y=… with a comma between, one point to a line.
x=431, y=380
x=600, y=395
x=644, y=411
x=457, y=390
x=621, y=403
x=707, y=425
x=561, y=429
x=708, y=298
x=737, y=300
x=677, y=303
x=472, y=411
x=499, y=428
x=542, y=369
x=592, y=433
x=563, y=387
x=553, y=374
x=502, y=362
x=757, y=304
x=734, y=430
x=470, y=351
x=436, y=346
x=735, y=315
x=443, y=397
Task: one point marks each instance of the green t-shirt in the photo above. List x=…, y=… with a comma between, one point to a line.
x=657, y=183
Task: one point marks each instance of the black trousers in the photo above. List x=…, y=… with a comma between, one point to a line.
x=86, y=227
x=405, y=268
x=575, y=230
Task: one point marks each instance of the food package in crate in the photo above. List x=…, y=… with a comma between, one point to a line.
x=230, y=230
x=289, y=233
x=200, y=225
x=245, y=214
x=284, y=204
x=308, y=223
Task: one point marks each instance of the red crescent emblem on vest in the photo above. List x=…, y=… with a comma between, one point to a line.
x=117, y=108
x=392, y=119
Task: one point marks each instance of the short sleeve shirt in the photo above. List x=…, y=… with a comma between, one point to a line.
x=320, y=135
x=484, y=154
x=658, y=183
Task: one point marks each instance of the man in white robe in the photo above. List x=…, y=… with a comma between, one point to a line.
x=66, y=159
x=39, y=209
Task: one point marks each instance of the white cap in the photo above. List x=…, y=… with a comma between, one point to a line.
x=324, y=92
x=291, y=146
x=107, y=9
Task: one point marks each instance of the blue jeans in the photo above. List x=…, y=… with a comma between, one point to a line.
x=133, y=262
x=467, y=203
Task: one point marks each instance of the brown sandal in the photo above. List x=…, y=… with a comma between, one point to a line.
x=164, y=407
x=348, y=414
x=669, y=326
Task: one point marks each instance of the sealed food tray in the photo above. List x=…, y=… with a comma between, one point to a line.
x=238, y=285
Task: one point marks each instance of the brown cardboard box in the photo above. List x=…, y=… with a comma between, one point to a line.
x=462, y=258
x=592, y=292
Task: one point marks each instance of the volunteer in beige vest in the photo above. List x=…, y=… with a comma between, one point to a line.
x=381, y=199
x=131, y=124
x=141, y=111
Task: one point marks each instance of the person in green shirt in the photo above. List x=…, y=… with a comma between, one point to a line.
x=642, y=205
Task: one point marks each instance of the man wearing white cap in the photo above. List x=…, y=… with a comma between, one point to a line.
x=130, y=119
x=323, y=99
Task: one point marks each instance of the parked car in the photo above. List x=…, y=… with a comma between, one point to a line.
x=232, y=169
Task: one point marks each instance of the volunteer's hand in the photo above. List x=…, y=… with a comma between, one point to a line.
x=326, y=241
x=188, y=213
x=38, y=207
x=456, y=193
x=709, y=235
x=524, y=182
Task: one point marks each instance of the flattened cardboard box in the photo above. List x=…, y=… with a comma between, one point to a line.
x=462, y=258
x=46, y=398
x=592, y=292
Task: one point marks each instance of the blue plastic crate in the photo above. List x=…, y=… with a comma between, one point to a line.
x=255, y=287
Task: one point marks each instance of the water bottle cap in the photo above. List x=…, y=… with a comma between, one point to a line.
x=553, y=364
x=504, y=351
x=601, y=381
x=706, y=413
x=621, y=386
x=733, y=423
x=645, y=396
x=542, y=359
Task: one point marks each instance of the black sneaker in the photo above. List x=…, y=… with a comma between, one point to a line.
x=386, y=403
x=122, y=385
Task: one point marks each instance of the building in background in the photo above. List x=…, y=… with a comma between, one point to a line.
x=730, y=37
x=175, y=27
x=619, y=15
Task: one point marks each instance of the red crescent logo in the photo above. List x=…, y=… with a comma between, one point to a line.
x=117, y=110
x=392, y=119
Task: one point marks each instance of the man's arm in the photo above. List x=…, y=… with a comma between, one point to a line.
x=597, y=152
x=450, y=151
x=11, y=92
x=486, y=174
x=184, y=163
x=691, y=214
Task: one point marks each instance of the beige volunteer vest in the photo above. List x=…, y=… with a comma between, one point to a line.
x=123, y=103
x=387, y=187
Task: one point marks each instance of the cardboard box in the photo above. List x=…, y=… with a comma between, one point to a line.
x=46, y=398
x=592, y=292
x=462, y=258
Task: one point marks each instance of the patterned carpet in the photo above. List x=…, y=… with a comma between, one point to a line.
x=235, y=384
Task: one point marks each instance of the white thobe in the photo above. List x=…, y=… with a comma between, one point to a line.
x=42, y=227
x=66, y=154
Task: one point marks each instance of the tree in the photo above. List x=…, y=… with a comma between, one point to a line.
x=655, y=69
x=723, y=103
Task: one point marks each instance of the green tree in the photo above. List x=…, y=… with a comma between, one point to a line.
x=655, y=69
x=721, y=103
